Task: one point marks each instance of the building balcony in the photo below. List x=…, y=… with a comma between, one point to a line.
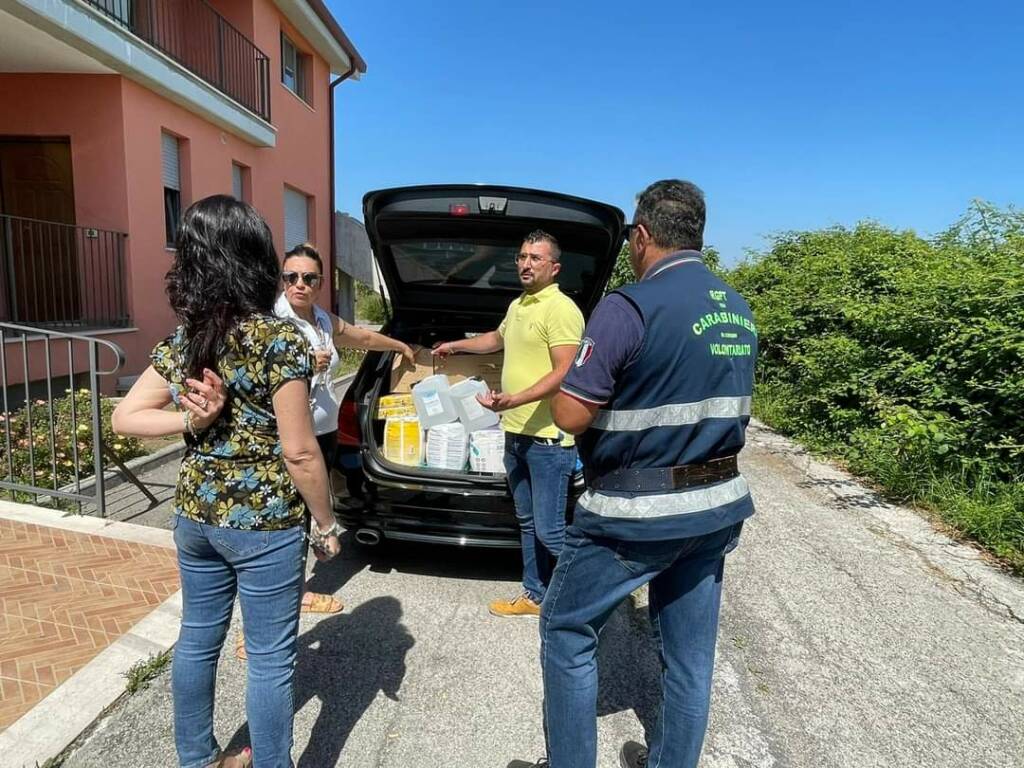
x=183, y=50
x=193, y=34
x=57, y=275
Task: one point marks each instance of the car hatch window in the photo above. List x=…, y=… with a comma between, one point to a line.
x=478, y=265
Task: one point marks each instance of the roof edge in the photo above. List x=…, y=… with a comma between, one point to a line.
x=358, y=63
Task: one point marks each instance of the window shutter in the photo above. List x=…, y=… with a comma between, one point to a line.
x=236, y=181
x=171, y=162
x=296, y=218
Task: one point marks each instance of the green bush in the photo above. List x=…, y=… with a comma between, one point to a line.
x=370, y=305
x=623, y=271
x=905, y=357
x=67, y=436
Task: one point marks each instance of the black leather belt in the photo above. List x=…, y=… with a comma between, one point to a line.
x=666, y=478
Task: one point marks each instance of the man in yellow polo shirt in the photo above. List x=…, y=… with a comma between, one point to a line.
x=540, y=335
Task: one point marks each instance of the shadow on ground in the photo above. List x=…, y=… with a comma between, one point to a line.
x=629, y=669
x=343, y=663
x=346, y=660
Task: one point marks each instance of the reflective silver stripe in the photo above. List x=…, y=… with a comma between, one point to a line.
x=665, y=504
x=675, y=415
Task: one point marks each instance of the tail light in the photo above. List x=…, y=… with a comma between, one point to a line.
x=348, y=424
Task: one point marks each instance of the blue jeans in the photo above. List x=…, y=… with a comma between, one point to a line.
x=266, y=568
x=594, y=575
x=538, y=476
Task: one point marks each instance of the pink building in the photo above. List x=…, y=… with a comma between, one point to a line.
x=119, y=113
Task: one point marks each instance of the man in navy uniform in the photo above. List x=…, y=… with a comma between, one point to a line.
x=660, y=395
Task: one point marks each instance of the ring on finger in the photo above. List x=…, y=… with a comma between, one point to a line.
x=205, y=403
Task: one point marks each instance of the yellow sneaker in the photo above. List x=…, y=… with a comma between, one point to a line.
x=518, y=606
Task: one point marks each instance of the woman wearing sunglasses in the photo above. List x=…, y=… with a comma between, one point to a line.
x=239, y=377
x=302, y=278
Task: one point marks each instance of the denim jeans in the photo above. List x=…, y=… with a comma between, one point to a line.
x=594, y=575
x=538, y=476
x=266, y=569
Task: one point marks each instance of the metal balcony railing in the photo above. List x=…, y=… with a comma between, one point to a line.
x=61, y=275
x=193, y=34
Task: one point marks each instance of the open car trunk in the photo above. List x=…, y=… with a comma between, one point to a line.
x=380, y=468
x=447, y=255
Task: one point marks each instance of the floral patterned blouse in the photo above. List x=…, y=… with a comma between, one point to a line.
x=233, y=474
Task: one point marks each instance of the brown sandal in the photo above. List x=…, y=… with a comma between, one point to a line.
x=321, y=603
x=240, y=759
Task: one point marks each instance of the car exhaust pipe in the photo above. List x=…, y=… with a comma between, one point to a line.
x=368, y=536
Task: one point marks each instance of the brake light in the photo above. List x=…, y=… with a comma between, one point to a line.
x=458, y=209
x=348, y=424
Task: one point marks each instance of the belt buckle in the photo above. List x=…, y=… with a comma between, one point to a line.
x=679, y=477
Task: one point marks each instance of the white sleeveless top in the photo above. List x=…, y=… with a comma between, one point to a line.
x=322, y=400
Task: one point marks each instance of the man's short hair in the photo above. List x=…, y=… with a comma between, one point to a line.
x=540, y=236
x=673, y=212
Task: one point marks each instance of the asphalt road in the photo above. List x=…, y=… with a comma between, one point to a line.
x=853, y=635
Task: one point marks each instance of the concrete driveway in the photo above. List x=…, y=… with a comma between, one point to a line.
x=853, y=635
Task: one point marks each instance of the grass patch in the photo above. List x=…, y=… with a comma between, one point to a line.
x=145, y=670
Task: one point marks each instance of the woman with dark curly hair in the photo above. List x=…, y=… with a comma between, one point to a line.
x=240, y=380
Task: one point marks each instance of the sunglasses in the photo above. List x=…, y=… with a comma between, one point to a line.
x=312, y=279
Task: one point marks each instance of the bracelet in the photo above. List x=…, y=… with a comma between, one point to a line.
x=318, y=537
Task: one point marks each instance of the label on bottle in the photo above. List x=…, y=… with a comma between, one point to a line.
x=473, y=408
x=432, y=403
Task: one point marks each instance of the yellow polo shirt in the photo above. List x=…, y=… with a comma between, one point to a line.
x=534, y=323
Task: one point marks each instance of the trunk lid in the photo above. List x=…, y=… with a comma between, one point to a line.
x=449, y=249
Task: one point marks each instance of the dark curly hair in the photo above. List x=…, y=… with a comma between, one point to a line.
x=225, y=269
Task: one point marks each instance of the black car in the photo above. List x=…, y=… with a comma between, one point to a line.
x=447, y=256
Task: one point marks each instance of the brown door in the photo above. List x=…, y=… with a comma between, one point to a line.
x=40, y=264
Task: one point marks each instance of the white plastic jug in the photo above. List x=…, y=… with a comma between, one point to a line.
x=472, y=415
x=433, y=402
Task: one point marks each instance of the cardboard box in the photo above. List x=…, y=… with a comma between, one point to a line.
x=404, y=374
x=456, y=367
x=459, y=367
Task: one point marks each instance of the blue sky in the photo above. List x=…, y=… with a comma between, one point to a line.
x=790, y=115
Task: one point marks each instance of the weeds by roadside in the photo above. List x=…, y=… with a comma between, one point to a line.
x=145, y=670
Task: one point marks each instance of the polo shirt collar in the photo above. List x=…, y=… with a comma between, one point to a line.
x=542, y=294
x=673, y=259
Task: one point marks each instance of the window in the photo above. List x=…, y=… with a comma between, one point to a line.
x=171, y=161
x=294, y=69
x=296, y=218
x=240, y=182
x=487, y=264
